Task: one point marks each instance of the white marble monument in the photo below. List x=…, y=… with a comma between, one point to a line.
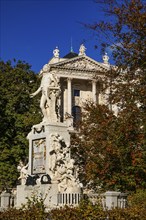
x=67, y=83
x=51, y=172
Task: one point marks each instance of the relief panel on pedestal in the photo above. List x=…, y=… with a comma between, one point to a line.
x=39, y=156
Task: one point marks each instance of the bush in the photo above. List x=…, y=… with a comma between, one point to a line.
x=35, y=210
x=88, y=211
x=138, y=198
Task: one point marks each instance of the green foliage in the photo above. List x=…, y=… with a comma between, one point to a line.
x=33, y=210
x=17, y=114
x=137, y=199
x=85, y=211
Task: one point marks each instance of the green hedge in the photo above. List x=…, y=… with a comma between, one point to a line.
x=85, y=211
x=35, y=210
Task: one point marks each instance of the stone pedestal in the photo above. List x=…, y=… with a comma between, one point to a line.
x=50, y=171
x=111, y=199
x=47, y=192
x=5, y=199
x=40, y=145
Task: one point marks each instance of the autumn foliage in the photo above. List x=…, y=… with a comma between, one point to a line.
x=109, y=149
x=110, y=146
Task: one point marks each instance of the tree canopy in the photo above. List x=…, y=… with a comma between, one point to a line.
x=112, y=150
x=17, y=114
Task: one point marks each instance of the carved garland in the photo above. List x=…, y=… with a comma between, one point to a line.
x=39, y=131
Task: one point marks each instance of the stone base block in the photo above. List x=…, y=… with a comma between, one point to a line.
x=48, y=192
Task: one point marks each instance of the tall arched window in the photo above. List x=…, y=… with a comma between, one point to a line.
x=76, y=113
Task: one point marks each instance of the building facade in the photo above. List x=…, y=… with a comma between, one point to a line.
x=81, y=79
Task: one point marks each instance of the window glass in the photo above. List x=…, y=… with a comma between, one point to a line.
x=76, y=113
x=76, y=92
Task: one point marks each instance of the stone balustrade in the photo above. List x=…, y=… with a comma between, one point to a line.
x=108, y=200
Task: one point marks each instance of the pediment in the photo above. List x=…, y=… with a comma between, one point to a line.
x=81, y=63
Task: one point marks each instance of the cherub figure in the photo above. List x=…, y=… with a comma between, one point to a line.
x=23, y=172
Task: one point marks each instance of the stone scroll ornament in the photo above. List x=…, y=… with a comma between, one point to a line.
x=50, y=99
x=62, y=167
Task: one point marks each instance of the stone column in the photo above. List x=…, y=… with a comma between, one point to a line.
x=69, y=96
x=94, y=91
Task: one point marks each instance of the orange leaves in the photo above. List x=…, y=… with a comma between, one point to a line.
x=112, y=148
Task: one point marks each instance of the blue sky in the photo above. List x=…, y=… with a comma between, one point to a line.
x=31, y=29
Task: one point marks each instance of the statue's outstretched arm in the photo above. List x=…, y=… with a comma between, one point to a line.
x=36, y=92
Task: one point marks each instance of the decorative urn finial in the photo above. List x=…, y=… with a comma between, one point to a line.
x=105, y=58
x=56, y=52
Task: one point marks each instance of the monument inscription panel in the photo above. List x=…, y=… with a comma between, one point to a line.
x=39, y=156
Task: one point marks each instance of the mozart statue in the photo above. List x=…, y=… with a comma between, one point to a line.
x=49, y=81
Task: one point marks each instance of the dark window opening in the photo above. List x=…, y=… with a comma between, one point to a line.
x=76, y=92
x=76, y=113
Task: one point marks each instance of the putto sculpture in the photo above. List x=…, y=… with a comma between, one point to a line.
x=23, y=169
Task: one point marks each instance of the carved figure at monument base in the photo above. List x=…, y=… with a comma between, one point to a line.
x=23, y=172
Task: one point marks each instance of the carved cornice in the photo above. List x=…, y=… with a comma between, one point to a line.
x=82, y=63
x=86, y=75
